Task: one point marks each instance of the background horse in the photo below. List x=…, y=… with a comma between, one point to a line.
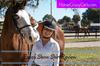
x=77, y=30
x=84, y=30
x=17, y=36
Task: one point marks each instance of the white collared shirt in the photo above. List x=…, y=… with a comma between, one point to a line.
x=47, y=55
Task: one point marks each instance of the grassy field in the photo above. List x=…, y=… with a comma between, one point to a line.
x=82, y=56
x=81, y=39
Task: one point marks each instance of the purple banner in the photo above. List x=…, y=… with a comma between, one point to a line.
x=78, y=4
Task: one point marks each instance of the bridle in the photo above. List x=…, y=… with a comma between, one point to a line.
x=16, y=26
x=22, y=36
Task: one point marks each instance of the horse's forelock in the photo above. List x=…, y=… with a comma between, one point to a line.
x=18, y=5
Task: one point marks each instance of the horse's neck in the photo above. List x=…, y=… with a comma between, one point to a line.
x=55, y=35
x=8, y=26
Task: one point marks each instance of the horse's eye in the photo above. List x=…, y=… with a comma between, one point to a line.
x=16, y=16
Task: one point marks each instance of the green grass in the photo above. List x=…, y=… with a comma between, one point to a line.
x=82, y=39
x=82, y=56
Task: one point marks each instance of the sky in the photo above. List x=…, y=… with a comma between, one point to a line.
x=44, y=8
x=58, y=13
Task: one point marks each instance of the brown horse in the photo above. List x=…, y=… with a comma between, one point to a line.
x=16, y=38
x=84, y=30
x=59, y=37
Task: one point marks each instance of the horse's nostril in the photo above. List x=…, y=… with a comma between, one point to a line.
x=30, y=38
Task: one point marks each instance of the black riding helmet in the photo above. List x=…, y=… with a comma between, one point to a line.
x=50, y=25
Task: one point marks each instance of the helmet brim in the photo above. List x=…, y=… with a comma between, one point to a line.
x=49, y=28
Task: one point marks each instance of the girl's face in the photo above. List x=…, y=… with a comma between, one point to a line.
x=47, y=33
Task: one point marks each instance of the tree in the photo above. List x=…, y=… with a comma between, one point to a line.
x=60, y=21
x=5, y=4
x=85, y=22
x=92, y=14
x=66, y=19
x=76, y=18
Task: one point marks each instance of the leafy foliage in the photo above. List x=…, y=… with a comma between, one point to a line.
x=92, y=14
x=76, y=18
x=4, y=4
x=67, y=19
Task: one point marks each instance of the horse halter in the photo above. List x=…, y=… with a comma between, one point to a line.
x=15, y=17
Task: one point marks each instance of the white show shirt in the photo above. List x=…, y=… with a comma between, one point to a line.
x=47, y=55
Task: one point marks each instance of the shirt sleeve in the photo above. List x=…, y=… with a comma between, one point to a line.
x=56, y=52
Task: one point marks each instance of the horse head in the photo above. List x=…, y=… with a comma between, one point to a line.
x=22, y=22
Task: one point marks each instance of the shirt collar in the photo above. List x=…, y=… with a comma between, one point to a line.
x=48, y=43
